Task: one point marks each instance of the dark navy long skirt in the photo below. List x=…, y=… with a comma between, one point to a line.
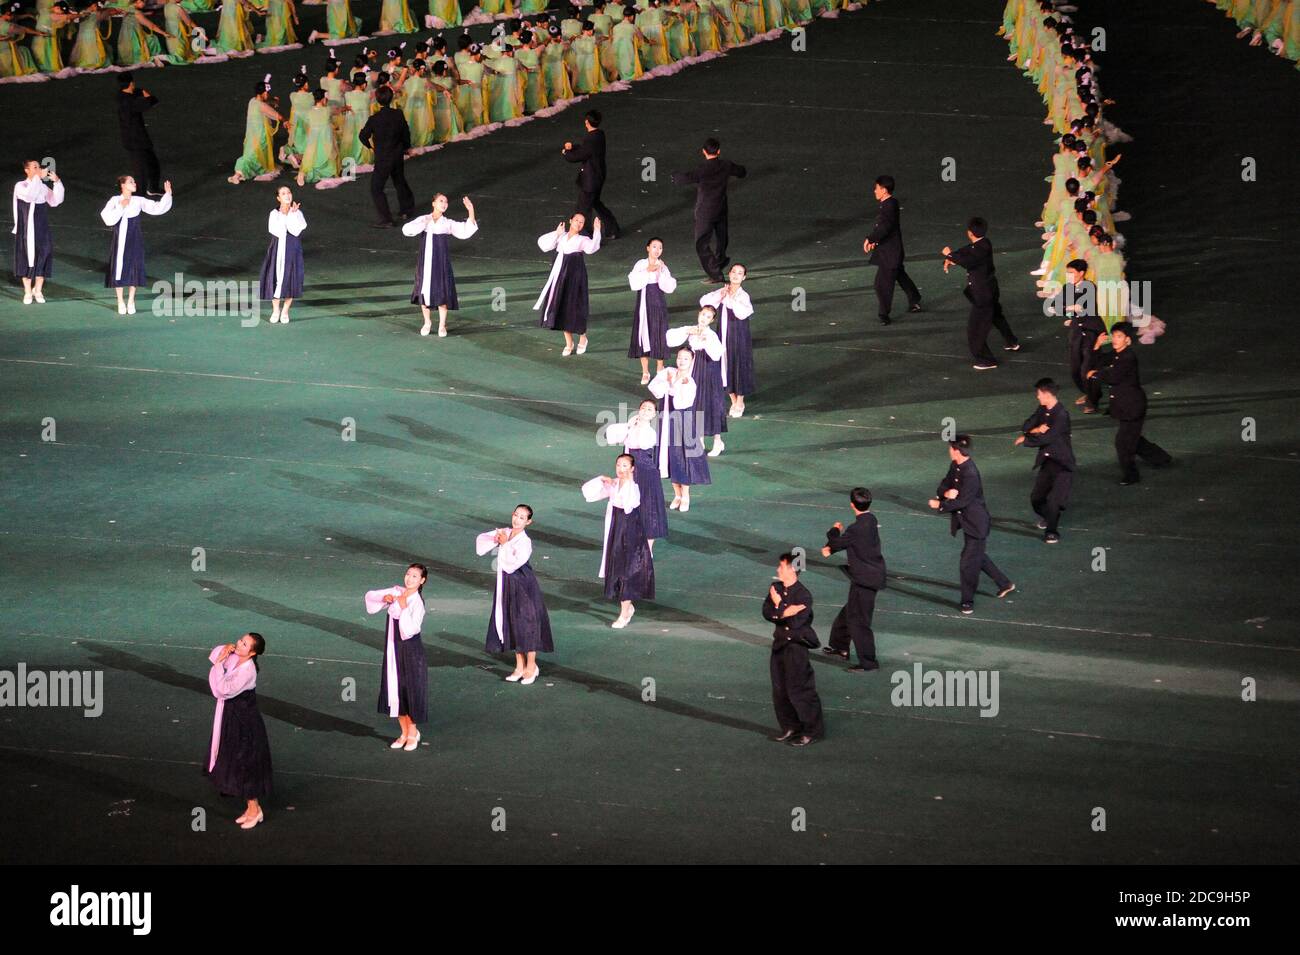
x=523, y=616
x=412, y=678
x=442, y=282
x=656, y=320
x=688, y=463
x=654, y=513
x=740, y=358
x=243, y=766
x=710, y=396
x=629, y=568
x=567, y=310
x=294, y=270
x=132, y=257
x=43, y=263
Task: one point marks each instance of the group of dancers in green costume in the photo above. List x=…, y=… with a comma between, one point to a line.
x=1275, y=23
x=530, y=67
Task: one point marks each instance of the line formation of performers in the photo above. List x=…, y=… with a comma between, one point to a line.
x=1271, y=23
x=612, y=43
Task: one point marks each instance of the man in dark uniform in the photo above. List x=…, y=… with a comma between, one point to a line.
x=1118, y=371
x=1077, y=301
x=131, y=106
x=1048, y=430
x=961, y=495
x=866, y=572
x=389, y=137
x=591, y=177
x=710, y=181
x=794, y=688
x=885, y=246
x=982, y=292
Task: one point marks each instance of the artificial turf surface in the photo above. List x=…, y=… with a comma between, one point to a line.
x=1119, y=689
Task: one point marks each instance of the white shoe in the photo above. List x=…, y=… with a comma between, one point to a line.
x=677, y=502
x=284, y=318
x=718, y=448
x=27, y=298
x=686, y=505
x=735, y=412
x=397, y=743
x=582, y=348
x=645, y=377
x=40, y=299
x=426, y=329
x=121, y=308
x=623, y=621
x=275, y=316
x=1039, y=271
x=411, y=744
x=1121, y=217
x=514, y=677
x=130, y=308
x=568, y=350
x=442, y=331
x=250, y=823
x=530, y=680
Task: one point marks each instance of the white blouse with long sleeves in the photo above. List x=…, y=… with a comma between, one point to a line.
x=115, y=214
x=511, y=555
x=562, y=244
x=705, y=340
x=226, y=680
x=34, y=192
x=430, y=226
x=639, y=278
x=634, y=435
x=621, y=494
x=407, y=624
x=281, y=224
x=737, y=306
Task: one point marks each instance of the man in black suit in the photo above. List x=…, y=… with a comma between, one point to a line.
x=982, y=292
x=131, y=106
x=1048, y=430
x=866, y=573
x=1128, y=405
x=710, y=181
x=794, y=688
x=591, y=176
x=885, y=246
x=1077, y=301
x=961, y=494
x=388, y=136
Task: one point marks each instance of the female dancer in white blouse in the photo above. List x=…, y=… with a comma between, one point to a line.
x=710, y=396
x=639, y=439
x=404, y=679
x=283, y=272
x=239, y=754
x=33, y=242
x=734, y=309
x=681, y=440
x=626, y=564
x=126, y=252
x=435, y=285
x=519, y=621
x=651, y=281
x=563, y=301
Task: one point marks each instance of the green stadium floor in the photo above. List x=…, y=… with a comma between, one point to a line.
x=1118, y=689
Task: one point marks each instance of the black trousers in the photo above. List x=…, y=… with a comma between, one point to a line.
x=794, y=691
x=589, y=205
x=853, y=622
x=1002, y=325
x=145, y=170
x=974, y=561
x=884, y=285
x=1130, y=445
x=978, y=325
x=391, y=168
x=1080, y=359
x=1051, y=493
x=711, y=244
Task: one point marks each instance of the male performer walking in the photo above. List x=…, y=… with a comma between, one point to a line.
x=982, y=292
x=710, y=181
x=591, y=176
x=1048, y=430
x=962, y=495
x=1128, y=405
x=794, y=689
x=131, y=106
x=885, y=246
x=1077, y=301
x=866, y=572
x=389, y=137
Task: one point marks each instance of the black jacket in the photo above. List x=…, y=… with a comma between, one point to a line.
x=130, y=118
x=591, y=153
x=710, y=181
x=981, y=276
x=866, y=566
x=887, y=233
x=387, y=134
x=1119, y=371
x=1085, y=323
x=968, y=510
x=1054, y=443
x=796, y=629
